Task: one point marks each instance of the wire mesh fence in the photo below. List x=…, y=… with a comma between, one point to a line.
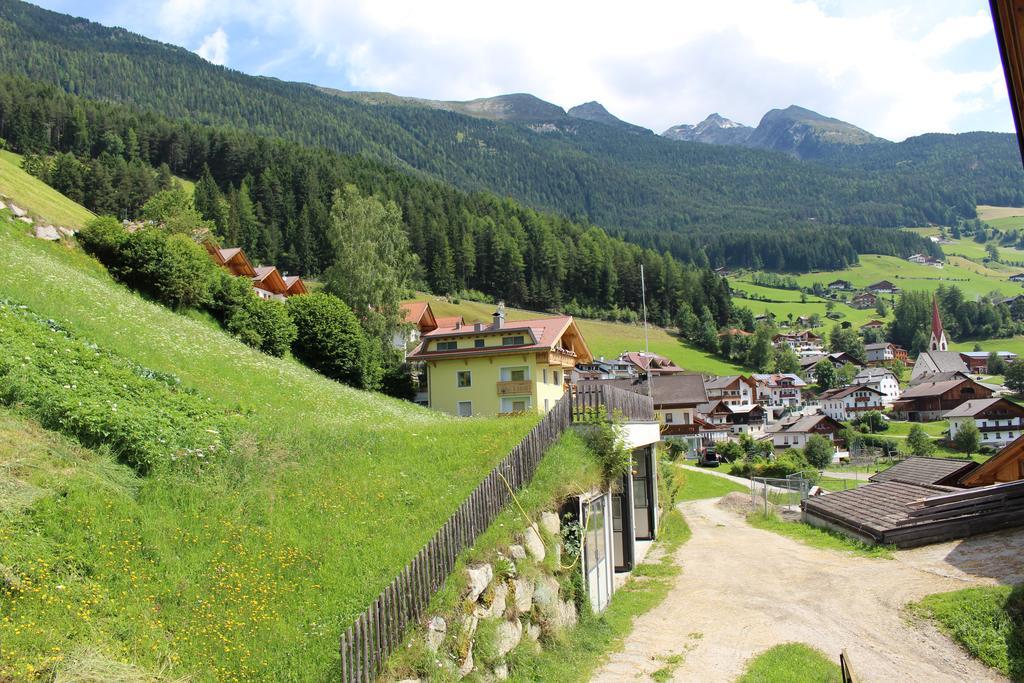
x=770, y=494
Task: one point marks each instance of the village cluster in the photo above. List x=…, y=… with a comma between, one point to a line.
x=502, y=367
x=527, y=365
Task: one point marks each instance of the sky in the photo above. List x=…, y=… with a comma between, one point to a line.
x=895, y=69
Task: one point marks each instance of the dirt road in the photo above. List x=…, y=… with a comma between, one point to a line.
x=744, y=590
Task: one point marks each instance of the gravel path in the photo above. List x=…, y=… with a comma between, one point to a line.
x=744, y=590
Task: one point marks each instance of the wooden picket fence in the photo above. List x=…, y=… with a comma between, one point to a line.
x=378, y=632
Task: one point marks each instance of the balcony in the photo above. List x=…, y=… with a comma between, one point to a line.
x=515, y=388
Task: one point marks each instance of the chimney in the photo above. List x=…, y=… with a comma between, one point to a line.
x=458, y=324
x=499, y=316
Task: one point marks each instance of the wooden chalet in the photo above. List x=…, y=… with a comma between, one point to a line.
x=233, y=259
x=796, y=431
x=873, y=325
x=269, y=283
x=883, y=287
x=929, y=401
x=864, y=300
x=1005, y=466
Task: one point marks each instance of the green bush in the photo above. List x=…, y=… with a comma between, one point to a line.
x=264, y=325
x=788, y=462
x=171, y=268
x=147, y=419
x=331, y=341
x=228, y=294
x=819, y=451
x=103, y=237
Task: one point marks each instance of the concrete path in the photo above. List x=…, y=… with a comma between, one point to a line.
x=744, y=590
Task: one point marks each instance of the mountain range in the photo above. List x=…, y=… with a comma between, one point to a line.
x=796, y=170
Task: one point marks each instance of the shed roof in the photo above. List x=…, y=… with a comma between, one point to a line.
x=926, y=471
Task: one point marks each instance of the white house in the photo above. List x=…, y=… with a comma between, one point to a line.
x=795, y=432
x=882, y=352
x=880, y=379
x=999, y=420
x=734, y=390
x=779, y=389
x=844, y=403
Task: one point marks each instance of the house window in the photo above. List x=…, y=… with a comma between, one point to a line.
x=517, y=340
x=515, y=405
x=465, y=408
x=519, y=374
x=478, y=343
x=464, y=378
x=668, y=418
x=447, y=346
x=557, y=376
x=545, y=375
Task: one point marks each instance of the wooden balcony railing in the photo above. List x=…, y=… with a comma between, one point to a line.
x=515, y=388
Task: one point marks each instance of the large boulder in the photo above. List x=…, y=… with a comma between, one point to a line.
x=26, y=220
x=508, y=636
x=498, y=597
x=466, y=667
x=545, y=590
x=479, y=578
x=437, y=629
x=563, y=615
x=523, y=590
x=517, y=552
x=532, y=631
x=501, y=672
x=534, y=544
x=47, y=232
x=550, y=523
x=18, y=211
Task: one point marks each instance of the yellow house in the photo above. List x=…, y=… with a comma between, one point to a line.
x=501, y=367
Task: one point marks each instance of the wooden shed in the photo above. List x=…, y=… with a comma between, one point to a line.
x=1005, y=466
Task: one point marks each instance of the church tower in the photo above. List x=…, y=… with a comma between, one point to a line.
x=938, y=341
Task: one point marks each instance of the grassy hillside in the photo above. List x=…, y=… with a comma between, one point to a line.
x=35, y=196
x=603, y=338
x=250, y=568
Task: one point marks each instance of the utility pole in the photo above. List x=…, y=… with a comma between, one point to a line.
x=647, y=340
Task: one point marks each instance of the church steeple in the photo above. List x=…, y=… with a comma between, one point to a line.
x=938, y=342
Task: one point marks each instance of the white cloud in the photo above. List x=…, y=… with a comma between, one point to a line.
x=896, y=72
x=214, y=47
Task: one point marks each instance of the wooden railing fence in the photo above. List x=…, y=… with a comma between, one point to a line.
x=593, y=400
x=370, y=640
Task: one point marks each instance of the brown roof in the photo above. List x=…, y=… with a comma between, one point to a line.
x=927, y=389
x=926, y=471
x=450, y=321
x=678, y=390
x=977, y=405
x=806, y=423
x=540, y=334
x=419, y=313
x=873, y=508
x=843, y=392
x=650, y=362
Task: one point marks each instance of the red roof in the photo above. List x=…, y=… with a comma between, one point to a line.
x=418, y=313
x=450, y=321
x=936, y=320
x=650, y=361
x=540, y=334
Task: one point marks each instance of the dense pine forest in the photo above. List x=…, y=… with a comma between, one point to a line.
x=273, y=197
x=702, y=203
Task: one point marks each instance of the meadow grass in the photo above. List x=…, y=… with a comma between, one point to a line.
x=253, y=568
x=815, y=537
x=987, y=621
x=36, y=197
x=791, y=663
x=603, y=338
x=988, y=212
x=697, y=485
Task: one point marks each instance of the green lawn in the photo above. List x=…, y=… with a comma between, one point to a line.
x=697, y=485
x=792, y=663
x=988, y=622
x=813, y=536
x=36, y=197
x=606, y=339
x=257, y=564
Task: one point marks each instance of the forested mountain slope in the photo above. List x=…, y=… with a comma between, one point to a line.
x=652, y=190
